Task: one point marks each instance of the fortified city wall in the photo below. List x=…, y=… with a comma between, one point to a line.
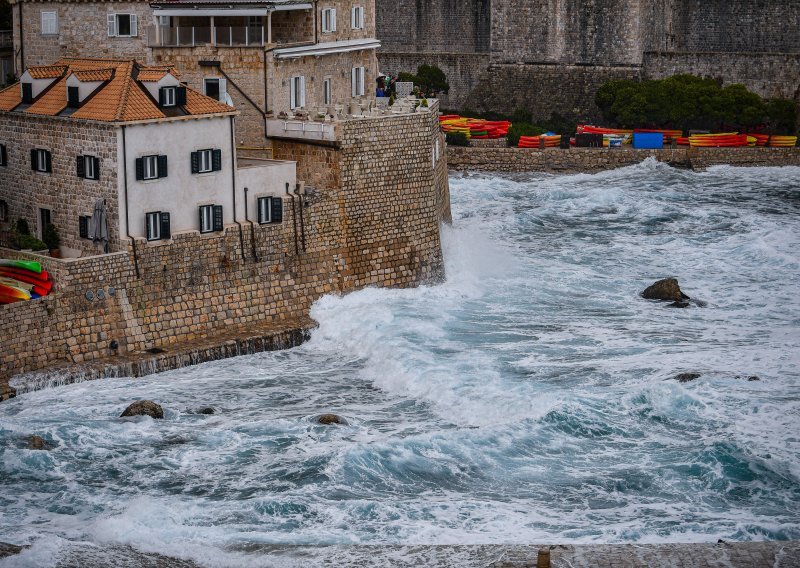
x=554, y=53
x=372, y=219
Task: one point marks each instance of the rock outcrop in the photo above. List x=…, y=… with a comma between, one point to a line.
x=331, y=419
x=144, y=408
x=686, y=377
x=36, y=443
x=666, y=289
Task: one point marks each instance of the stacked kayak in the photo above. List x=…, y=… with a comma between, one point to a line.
x=550, y=141
x=22, y=280
x=721, y=140
x=774, y=141
x=474, y=127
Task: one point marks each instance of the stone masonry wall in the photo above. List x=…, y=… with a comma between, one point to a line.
x=62, y=191
x=378, y=226
x=554, y=160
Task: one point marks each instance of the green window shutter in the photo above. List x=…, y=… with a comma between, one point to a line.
x=139, y=168
x=165, y=226
x=33, y=159
x=48, y=162
x=216, y=160
x=79, y=166
x=180, y=96
x=195, y=160
x=218, y=226
x=162, y=166
x=96, y=167
x=277, y=210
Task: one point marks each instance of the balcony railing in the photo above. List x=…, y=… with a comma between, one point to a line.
x=219, y=36
x=6, y=38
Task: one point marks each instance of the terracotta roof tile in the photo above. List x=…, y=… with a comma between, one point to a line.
x=148, y=74
x=10, y=97
x=123, y=98
x=201, y=104
x=94, y=74
x=47, y=71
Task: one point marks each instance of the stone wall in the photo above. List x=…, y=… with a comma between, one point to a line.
x=62, y=192
x=575, y=160
x=373, y=221
x=544, y=89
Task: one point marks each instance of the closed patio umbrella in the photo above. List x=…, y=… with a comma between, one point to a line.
x=98, y=224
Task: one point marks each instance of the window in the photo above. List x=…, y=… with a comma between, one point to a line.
x=357, y=18
x=83, y=226
x=45, y=219
x=151, y=167
x=210, y=218
x=327, y=96
x=204, y=161
x=3, y=155
x=122, y=25
x=157, y=226
x=41, y=160
x=270, y=210
x=328, y=20
x=88, y=167
x=168, y=96
x=3, y=210
x=49, y=23
x=73, y=97
x=27, y=93
x=297, y=92
x=358, y=81
x=164, y=21
x=216, y=88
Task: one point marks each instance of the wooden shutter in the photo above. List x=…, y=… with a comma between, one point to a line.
x=27, y=92
x=162, y=166
x=333, y=19
x=73, y=97
x=223, y=90
x=218, y=226
x=134, y=26
x=96, y=167
x=277, y=210
x=216, y=160
x=354, y=18
x=3, y=155
x=292, y=93
x=139, y=168
x=80, y=167
x=33, y=159
x=161, y=96
x=83, y=227
x=112, y=25
x=148, y=232
x=201, y=209
x=48, y=162
x=303, y=92
x=165, y=226
x=195, y=162
x=180, y=96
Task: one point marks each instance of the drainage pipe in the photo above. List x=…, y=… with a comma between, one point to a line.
x=302, y=223
x=294, y=220
x=252, y=228
x=233, y=187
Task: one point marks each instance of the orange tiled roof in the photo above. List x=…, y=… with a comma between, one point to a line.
x=10, y=97
x=47, y=71
x=121, y=99
x=156, y=73
x=94, y=74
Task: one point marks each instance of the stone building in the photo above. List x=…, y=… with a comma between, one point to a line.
x=551, y=55
x=262, y=56
x=161, y=155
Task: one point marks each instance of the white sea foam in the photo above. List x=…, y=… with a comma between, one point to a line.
x=528, y=398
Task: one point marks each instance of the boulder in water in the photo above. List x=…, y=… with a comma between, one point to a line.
x=7, y=549
x=686, y=377
x=666, y=289
x=144, y=408
x=328, y=419
x=206, y=410
x=36, y=443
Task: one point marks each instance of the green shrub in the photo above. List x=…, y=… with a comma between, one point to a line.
x=457, y=139
x=51, y=237
x=28, y=242
x=21, y=227
x=522, y=129
x=429, y=78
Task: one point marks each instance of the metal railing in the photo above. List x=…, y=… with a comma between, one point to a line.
x=219, y=36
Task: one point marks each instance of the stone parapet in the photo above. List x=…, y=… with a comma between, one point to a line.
x=555, y=160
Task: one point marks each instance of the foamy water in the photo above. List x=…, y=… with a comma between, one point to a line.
x=527, y=399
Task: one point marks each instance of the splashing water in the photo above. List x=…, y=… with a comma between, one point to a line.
x=529, y=398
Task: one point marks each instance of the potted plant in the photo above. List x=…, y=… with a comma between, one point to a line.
x=52, y=240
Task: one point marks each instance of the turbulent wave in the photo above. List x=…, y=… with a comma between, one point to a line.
x=529, y=398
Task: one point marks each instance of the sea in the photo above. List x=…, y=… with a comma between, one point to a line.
x=529, y=398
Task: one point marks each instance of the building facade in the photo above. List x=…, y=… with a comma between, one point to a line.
x=159, y=154
x=263, y=57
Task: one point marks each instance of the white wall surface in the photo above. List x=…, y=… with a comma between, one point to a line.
x=267, y=179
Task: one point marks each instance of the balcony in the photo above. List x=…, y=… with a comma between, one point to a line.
x=217, y=36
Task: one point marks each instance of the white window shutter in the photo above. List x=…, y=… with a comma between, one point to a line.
x=354, y=18
x=223, y=89
x=353, y=83
x=112, y=25
x=333, y=19
x=292, y=93
x=303, y=92
x=134, y=26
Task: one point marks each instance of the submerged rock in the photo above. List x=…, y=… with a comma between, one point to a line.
x=686, y=377
x=144, y=408
x=750, y=378
x=206, y=410
x=679, y=305
x=666, y=289
x=7, y=549
x=36, y=443
x=331, y=419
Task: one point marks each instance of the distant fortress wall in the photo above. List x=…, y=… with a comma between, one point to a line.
x=550, y=55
